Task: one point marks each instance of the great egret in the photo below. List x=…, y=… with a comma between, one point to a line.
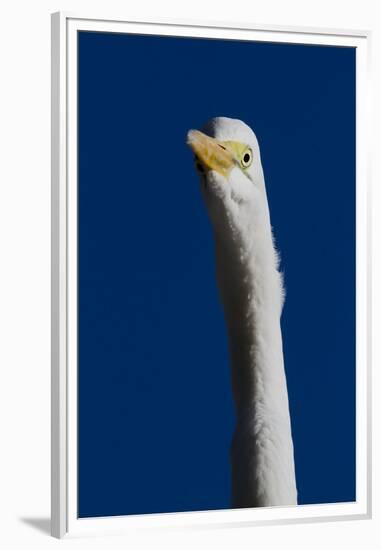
x=228, y=161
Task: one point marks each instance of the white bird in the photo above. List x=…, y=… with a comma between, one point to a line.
x=228, y=160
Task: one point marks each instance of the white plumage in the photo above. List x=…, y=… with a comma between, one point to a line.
x=251, y=290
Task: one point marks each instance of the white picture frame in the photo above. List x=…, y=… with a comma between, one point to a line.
x=65, y=521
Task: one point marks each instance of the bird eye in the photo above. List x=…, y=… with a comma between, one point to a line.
x=247, y=158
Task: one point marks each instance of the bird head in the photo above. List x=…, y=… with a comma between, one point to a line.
x=227, y=159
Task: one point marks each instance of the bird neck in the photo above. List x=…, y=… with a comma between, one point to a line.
x=252, y=294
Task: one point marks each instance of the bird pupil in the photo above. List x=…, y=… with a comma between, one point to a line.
x=246, y=157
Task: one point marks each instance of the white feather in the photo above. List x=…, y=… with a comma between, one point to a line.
x=252, y=294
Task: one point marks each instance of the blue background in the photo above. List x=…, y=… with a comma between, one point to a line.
x=155, y=409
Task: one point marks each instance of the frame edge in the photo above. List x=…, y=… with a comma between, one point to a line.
x=298, y=29
x=58, y=280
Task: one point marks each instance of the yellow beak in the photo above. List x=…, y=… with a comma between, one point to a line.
x=212, y=153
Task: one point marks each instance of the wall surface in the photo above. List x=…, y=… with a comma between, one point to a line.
x=25, y=269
